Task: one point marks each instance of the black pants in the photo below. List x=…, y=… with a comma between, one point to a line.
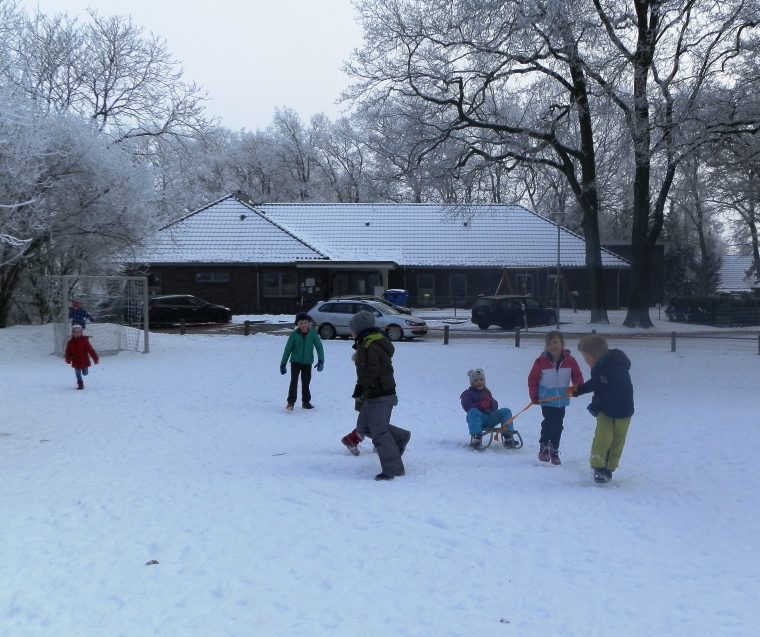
x=551, y=425
x=304, y=371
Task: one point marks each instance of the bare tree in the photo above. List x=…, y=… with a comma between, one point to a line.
x=533, y=79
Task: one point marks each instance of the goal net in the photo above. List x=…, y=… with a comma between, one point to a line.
x=112, y=309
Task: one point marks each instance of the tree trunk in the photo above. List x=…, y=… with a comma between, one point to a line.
x=588, y=199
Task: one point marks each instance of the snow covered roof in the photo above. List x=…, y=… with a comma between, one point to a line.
x=733, y=273
x=227, y=231
x=231, y=230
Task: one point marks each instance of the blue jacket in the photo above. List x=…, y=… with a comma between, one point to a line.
x=611, y=383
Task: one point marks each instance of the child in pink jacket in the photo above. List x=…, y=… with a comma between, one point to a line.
x=548, y=382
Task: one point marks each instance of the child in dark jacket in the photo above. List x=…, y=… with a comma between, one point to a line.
x=548, y=382
x=78, y=353
x=299, y=349
x=612, y=404
x=375, y=395
x=483, y=410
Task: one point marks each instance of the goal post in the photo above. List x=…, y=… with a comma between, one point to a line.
x=113, y=311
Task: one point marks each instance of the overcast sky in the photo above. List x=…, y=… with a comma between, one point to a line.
x=251, y=56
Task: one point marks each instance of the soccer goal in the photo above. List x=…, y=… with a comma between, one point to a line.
x=112, y=309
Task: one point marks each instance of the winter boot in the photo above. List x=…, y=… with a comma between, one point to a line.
x=601, y=476
x=289, y=407
x=80, y=384
x=544, y=455
x=476, y=441
x=509, y=440
x=384, y=476
x=351, y=441
x=554, y=455
x=402, y=445
x=307, y=406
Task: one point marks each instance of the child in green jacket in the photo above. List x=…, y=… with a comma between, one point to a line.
x=300, y=351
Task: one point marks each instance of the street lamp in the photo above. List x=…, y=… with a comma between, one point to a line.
x=558, y=218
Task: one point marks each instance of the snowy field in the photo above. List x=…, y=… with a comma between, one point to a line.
x=262, y=524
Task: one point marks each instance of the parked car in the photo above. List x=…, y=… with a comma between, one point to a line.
x=331, y=319
x=173, y=308
x=509, y=311
x=369, y=297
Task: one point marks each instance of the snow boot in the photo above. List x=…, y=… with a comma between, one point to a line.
x=509, y=441
x=80, y=384
x=554, y=455
x=289, y=407
x=402, y=445
x=351, y=442
x=544, y=455
x=307, y=406
x=384, y=476
x=601, y=476
x=476, y=441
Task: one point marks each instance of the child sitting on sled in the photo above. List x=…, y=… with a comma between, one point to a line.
x=483, y=411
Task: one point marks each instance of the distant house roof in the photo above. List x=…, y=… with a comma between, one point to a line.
x=233, y=230
x=733, y=274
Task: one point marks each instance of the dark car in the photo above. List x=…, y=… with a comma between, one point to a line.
x=510, y=311
x=173, y=308
x=369, y=297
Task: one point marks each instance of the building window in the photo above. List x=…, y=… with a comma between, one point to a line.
x=525, y=283
x=458, y=289
x=212, y=277
x=425, y=289
x=280, y=284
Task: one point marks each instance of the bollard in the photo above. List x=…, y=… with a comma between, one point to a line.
x=182, y=327
x=445, y=334
x=758, y=344
x=517, y=337
x=246, y=328
x=593, y=331
x=672, y=341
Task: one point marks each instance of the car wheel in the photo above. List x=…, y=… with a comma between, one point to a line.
x=326, y=331
x=394, y=333
x=483, y=326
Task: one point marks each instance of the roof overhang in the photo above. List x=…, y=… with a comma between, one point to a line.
x=348, y=265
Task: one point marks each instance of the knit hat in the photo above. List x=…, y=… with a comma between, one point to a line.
x=302, y=316
x=76, y=328
x=361, y=321
x=476, y=374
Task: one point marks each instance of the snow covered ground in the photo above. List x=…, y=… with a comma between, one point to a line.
x=262, y=524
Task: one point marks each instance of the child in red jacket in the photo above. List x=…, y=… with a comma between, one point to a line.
x=78, y=353
x=548, y=382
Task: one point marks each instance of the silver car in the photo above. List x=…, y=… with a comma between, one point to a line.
x=331, y=319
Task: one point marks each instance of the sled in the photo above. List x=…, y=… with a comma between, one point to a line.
x=498, y=433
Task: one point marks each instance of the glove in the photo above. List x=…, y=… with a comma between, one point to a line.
x=283, y=370
x=570, y=392
x=320, y=365
x=358, y=391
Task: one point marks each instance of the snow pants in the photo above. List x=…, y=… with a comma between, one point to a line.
x=374, y=420
x=477, y=420
x=304, y=371
x=609, y=439
x=551, y=425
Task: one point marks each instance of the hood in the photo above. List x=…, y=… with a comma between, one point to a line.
x=617, y=357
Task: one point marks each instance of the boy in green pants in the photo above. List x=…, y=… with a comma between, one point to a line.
x=612, y=403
